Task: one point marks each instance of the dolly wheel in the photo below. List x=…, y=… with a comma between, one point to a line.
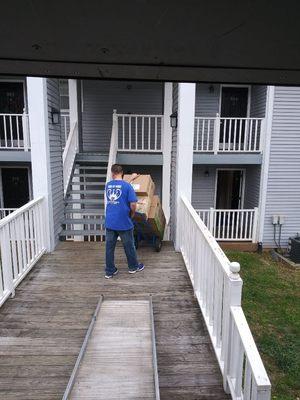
x=158, y=244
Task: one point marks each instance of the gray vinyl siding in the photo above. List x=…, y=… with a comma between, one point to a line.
x=173, y=194
x=283, y=188
x=252, y=186
x=154, y=170
x=100, y=98
x=207, y=100
x=203, y=187
x=56, y=166
x=258, y=101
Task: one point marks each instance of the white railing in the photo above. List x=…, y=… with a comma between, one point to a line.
x=218, y=289
x=234, y=225
x=112, y=157
x=14, y=132
x=4, y=212
x=69, y=155
x=140, y=133
x=221, y=135
x=22, y=243
x=65, y=127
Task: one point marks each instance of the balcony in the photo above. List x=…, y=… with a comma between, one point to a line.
x=14, y=137
x=139, y=138
x=221, y=138
x=231, y=225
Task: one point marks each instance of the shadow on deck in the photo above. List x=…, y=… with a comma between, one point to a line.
x=42, y=328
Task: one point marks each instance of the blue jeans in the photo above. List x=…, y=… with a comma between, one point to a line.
x=129, y=247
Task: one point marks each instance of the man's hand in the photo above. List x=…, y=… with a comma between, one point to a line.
x=132, y=209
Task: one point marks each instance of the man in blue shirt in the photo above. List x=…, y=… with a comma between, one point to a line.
x=120, y=208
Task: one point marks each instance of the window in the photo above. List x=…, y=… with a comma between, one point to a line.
x=64, y=94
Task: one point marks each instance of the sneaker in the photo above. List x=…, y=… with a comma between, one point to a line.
x=111, y=276
x=140, y=267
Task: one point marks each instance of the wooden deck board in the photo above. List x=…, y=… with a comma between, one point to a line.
x=42, y=328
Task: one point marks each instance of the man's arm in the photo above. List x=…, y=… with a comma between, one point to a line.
x=132, y=209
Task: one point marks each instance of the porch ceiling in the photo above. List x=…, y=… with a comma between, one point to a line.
x=202, y=41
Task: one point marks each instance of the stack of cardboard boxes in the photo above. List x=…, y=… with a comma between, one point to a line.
x=149, y=206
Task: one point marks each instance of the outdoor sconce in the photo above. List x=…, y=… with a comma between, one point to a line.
x=55, y=115
x=211, y=88
x=206, y=173
x=173, y=120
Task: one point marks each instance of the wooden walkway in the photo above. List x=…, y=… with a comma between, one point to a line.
x=43, y=327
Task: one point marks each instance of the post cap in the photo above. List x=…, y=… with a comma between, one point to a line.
x=235, y=267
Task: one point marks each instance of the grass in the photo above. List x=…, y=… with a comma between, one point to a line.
x=271, y=302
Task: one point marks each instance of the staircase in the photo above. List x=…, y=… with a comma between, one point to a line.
x=84, y=200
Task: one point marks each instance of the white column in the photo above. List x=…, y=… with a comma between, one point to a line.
x=185, y=143
x=265, y=161
x=73, y=102
x=40, y=155
x=166, y=148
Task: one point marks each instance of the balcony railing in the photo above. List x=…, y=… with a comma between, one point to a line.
x=231, y=225
x=4, y=212
x=139, y=132
x=228, y=135
x=218, y=289
x=65, y=127
x=14, y=132
x=22, y=243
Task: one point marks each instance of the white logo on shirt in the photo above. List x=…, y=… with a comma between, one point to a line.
x=114, y=194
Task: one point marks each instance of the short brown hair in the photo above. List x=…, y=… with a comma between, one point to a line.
x=117, y=169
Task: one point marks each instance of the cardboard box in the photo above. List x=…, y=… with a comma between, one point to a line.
x=143, y=184
x=143, y=208
x=156, y=217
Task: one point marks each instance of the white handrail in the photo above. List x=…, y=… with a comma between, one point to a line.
x=218, y=288
x=140, y=132
x=22, y=243
x=69, y=155
x=231, y=224
x=228, y=134
x=65, y=126
x=113, y=145
x=14, y=132
x=113, y=149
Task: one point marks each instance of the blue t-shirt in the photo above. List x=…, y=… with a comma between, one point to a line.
x=119, y=195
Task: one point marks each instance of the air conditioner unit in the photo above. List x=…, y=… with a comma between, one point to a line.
x=295, y=249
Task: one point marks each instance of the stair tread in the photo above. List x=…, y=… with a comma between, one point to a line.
x=87, y=175
x=86, y=191
x=84, y=221
x=85, y=211
x=84, y=201
x=79, y=166
x=85, y=232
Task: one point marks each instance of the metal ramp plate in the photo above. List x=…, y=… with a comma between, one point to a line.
x=118, y=356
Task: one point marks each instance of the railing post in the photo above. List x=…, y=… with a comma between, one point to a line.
x=25, y=130
x=211, y=222
x=6, y=261
x=217, y=133
x=232, y=297
x=255, y=225
x=115, y=128
x=262, y=135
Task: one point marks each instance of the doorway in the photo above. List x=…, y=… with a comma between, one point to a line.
x=11, y=103
x=15, y=187
x=230, y=188
x=234, y=104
